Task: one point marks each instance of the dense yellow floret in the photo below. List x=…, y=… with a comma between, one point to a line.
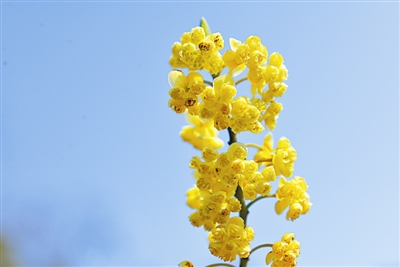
x=285, y=252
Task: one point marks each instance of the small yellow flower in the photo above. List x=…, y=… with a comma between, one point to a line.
x=264, y=153
x=198, y=50
x=245, y=116
x=185, y=91
x=186, y=263
x=194, y=199
x=216, y=102
x=201, y=134
x=271, y=114
x=236, y=58
x=292, y=194
x=234, y=205
x=284, y=158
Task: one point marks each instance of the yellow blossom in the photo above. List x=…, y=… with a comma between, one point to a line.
x=194, y=199
x=200, y=134
x=236, y=58
x=271, y=114
x=231, y=239
x=185, y=263
x=292, y=194
x=198, y=50
x=285, y=252
x=264, y=152
x=284, y=158
x=185, y=91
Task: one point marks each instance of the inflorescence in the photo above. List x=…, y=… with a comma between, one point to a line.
x=228, y=182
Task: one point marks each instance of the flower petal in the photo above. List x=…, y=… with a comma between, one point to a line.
x=269, y=257
x=234, y=43
x=176, y=78
x=204, y=25
x=282, y=205
x=238, y=70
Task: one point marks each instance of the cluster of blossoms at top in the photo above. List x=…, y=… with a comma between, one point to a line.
x=262, y=72
x=216, y=104
x=225, y=180
x=198, y=50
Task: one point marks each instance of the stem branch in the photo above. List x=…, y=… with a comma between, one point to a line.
x=261, y=246
x=239, y=195
x=263, y=160
x=220, y=264
x=257, y=199
x=232, y=136
x=208, y=82
x=241, y=80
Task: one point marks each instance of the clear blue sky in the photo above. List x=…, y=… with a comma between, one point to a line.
x=93, y=168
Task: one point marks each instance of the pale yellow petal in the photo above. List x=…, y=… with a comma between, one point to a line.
x=176, y=78
x=234, y=43
x=205, y=26
x=238, y=69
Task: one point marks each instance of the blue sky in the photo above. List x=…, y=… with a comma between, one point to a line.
x=94, y=171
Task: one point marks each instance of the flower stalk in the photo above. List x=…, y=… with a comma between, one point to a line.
x=226, y=180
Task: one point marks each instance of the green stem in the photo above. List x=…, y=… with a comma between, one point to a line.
x=215, y=75
x=244, y=211
x=243, y=262
x=257, y=199
x=241, y=80
x=208, y=82
x=261, y=246
x=239, y=195
x=232, y=136
x=219, y=264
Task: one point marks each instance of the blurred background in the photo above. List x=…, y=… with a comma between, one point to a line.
x=94, y=172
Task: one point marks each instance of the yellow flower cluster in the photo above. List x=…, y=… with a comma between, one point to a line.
x=282, y=157
x=185, y=91
x=198, y=50
x=254, y=55
x=200, y=134
x=231, y=239
x=217, y=103
x=245, y=116
x=284, y=252
x=292, y=194
x=212, y=209
x=225, y=180
x=217, y=178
